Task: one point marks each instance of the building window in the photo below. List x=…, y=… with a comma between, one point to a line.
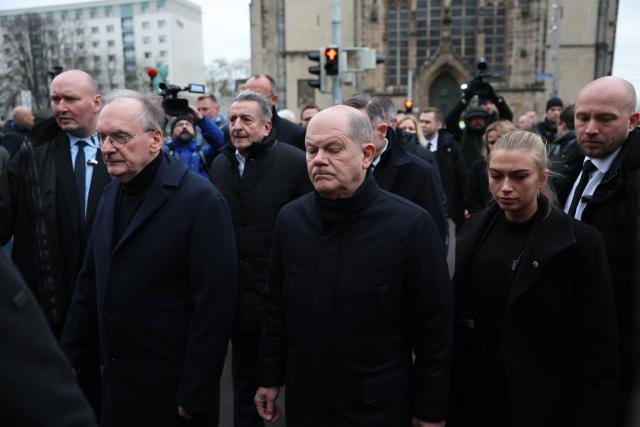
x=95, y=43
x=78, y=13
x=111, y=43
x=162, y=23
x=108, y=11
x=129, y=53
x=79, y=31
x=127, y=23
x=163, y=53
x=97, y=59
x=95, y=30
x=146, y=40
x=93, y=12
x=146, y=25
x=160, y=6
x=398, y=43
x=144, y=6
x=147, y=55
x=128, y=38
x=81, y=45
x=110, y=28
x=64, y=14
x=493, y=21
x=162, y=39
x=111, y=58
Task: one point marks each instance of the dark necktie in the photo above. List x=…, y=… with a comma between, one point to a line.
x=587, y=168
x=429, y=145
x=80, y=173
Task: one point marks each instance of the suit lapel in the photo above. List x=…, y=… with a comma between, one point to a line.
x=65, y=178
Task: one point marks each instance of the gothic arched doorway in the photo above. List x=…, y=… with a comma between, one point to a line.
x=444, y=92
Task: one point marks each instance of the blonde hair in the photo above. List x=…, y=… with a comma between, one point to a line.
x=532, y=143
x=501, y=127
x=421, y=139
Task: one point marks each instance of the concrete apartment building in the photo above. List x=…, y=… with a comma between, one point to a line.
x=531, y=46
x=114, y=40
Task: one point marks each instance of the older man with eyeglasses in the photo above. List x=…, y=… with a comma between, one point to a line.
x=158, y=285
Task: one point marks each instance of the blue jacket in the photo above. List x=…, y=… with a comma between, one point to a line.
x=196, y=156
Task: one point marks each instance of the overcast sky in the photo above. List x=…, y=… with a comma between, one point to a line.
x=225, y=26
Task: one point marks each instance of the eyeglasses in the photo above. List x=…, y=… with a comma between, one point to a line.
x=119, y=139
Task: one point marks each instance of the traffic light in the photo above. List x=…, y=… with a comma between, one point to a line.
x=332, y=61
x=408, y=105
x=321, y=82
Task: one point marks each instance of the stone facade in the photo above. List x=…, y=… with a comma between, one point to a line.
x=529, y=43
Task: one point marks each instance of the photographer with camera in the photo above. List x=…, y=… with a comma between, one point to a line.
x=492, y=108
x=185, y=145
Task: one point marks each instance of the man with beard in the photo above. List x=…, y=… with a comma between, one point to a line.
x=476, y=121
x=184, y=144
x=257, y=174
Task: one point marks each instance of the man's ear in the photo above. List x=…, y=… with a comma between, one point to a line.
x=382, y=129
x=157, y=143
x=267, y=128
x=368, y=154
x=633, y=120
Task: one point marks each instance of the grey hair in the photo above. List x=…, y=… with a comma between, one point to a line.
x=389, y=108
x=532, y=143
x=370, y=106
x=263, y=102
x=152, y=113
x=359, y=128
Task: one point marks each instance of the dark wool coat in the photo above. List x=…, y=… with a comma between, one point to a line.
x=355, y=286
x=288, y=132
x=454, y=175
x=162, y=300
x=614, y=210
x=274, y=174
x=414, y=179
x=38, y=385
x=559, y=340
x=63, y=244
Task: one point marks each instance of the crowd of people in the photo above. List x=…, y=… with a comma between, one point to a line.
x=143, y=245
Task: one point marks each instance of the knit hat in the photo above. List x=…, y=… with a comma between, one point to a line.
x=475, y=112
x=186, y=117
x=554, y=102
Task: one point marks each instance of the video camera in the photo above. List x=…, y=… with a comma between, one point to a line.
x=174, y=106
x=478, y=85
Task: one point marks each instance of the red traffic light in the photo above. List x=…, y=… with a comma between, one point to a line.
x=331, y=54
x=408, y=105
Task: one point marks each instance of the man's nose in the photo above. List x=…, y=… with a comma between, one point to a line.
x=592, y=127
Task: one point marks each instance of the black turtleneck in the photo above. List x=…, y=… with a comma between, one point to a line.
x=132, y=195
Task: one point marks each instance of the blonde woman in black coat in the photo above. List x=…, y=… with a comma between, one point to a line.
x=536, y=340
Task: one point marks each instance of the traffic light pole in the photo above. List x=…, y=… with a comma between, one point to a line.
x=336, y=36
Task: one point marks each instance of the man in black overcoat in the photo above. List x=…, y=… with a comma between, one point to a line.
x=358, y=284
x=402, y=173
x=48, y=200
x=38, y=387
x=158, y=285
x=605, y=124
x=257, y=174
